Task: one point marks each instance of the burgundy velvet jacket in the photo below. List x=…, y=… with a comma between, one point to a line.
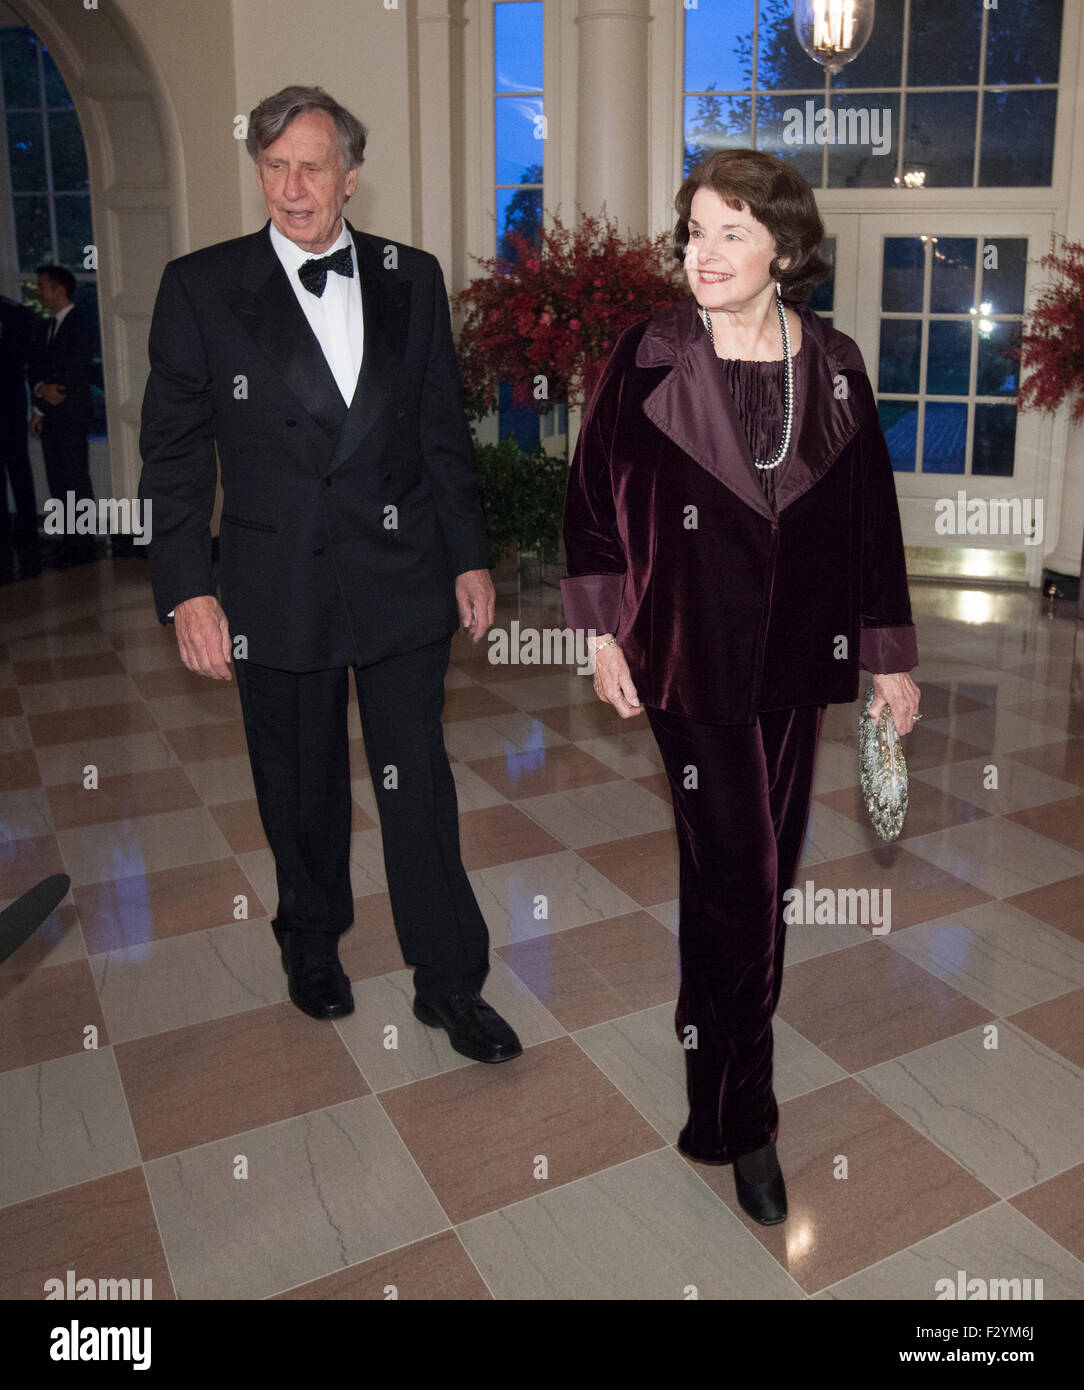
x=723, y=606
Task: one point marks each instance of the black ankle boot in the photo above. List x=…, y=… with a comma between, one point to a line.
x=759, y=1185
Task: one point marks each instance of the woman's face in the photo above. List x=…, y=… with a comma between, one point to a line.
x=729, y=254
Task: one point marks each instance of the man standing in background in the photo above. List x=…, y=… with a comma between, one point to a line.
x=16, y=329
x=60, y=376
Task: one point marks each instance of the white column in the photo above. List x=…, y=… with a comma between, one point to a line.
x=612, y=120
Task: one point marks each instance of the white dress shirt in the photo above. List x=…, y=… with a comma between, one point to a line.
x=335, y=316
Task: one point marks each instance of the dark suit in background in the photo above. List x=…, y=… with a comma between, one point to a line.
x=68, y=360
x=16, y=333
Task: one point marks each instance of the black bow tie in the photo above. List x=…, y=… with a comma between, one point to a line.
x=313, y=274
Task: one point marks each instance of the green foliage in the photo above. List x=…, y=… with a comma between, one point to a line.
x=523, y=496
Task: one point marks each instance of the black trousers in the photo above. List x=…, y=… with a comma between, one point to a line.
x=741, y=797
x=15, y=469
x=67, y=458
x=299, y=752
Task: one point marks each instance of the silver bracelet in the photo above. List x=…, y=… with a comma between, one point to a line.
x=610, y=643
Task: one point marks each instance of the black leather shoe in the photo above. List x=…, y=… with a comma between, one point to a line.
x=765, y=1202
x=474, y=1028
x=318, y=984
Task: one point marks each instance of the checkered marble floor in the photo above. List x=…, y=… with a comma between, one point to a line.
x=223, y=1145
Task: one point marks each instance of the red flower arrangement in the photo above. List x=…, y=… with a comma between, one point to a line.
x=557, y=309
x=1052, y=345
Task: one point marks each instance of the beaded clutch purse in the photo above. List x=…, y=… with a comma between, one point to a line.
x=882, y=771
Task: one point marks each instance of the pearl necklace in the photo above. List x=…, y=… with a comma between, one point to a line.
x=788, y=390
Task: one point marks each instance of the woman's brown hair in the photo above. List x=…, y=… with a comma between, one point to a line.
x=775, y=194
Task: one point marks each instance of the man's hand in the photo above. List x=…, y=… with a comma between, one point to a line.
x=477, y=601
x=203, y=636
x=34, y=423
x=52, y=392
x=902, y=694
x=613, y=680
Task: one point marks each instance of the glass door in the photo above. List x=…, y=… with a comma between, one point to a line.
x=936, y=308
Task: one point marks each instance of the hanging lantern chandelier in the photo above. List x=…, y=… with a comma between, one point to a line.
x=833, y=32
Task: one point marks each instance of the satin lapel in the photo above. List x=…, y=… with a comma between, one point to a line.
x=694, y=408
x=827, y=413
x=385, y=304
x=269, y=312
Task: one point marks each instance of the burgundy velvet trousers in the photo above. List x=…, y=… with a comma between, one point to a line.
x=741, y=795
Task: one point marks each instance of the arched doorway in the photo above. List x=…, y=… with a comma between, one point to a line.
x=134, y=166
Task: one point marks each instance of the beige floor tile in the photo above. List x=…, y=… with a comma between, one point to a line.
x=998, y=856
x=323, y=1191
x=383, y=1015
x=542, y=772
x=24, y=814
x=222, y=779
x=120, y=848
x=1017, y=784
x=996, y=955
x=630, y=753
x=498, y=736
x=996, y=729
x=643, y=1229
x=1013, y=1116
x=66, y=763
x=832, y=834
x=65, y=1121
x=535, y=896
x=592, y=815
x=188, y=979
x=541, y=692
x=216, y=702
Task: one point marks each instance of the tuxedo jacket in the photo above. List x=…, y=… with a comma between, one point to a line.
x=342, y=529
x=69, y=361
x=723, y=605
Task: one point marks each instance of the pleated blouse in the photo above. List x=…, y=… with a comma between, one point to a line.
x=758, y=392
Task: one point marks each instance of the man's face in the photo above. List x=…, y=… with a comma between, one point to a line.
x=48, y=294
x=304, y=183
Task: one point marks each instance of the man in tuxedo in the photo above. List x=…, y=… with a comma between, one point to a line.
x=60, y=376
x=16, y=327
x=319, y=359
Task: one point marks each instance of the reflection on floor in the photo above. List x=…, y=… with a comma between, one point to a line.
x=153, y=1072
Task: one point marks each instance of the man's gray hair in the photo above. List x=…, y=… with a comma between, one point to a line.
x=270, y=118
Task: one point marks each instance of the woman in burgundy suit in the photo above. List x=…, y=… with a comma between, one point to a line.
x=734, y=546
